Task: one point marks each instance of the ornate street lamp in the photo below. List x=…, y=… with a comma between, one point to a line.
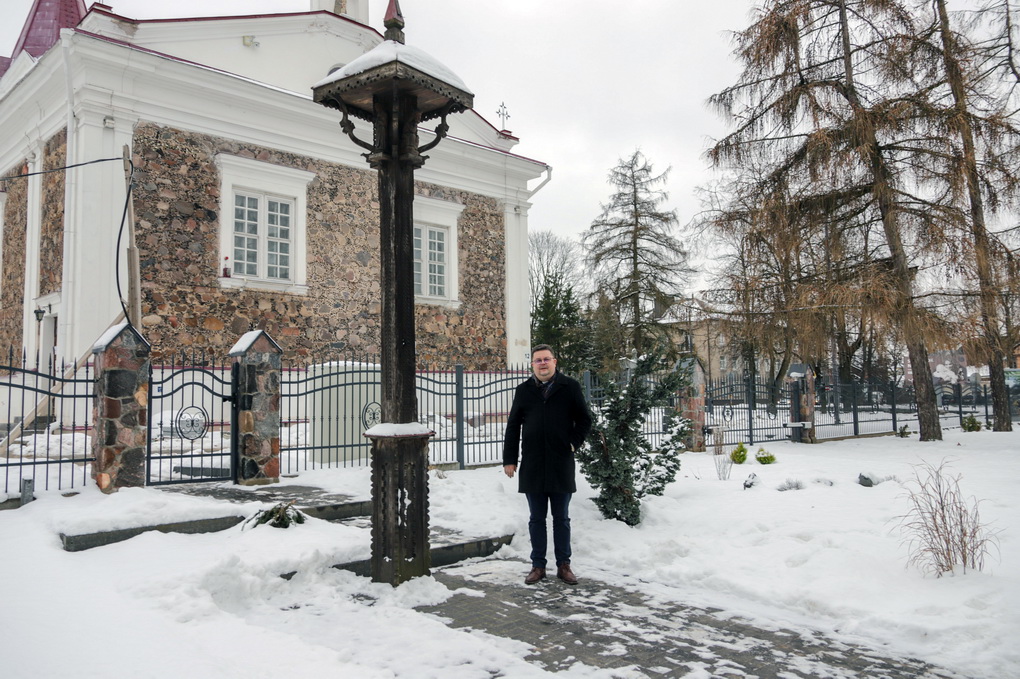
x=396, y=87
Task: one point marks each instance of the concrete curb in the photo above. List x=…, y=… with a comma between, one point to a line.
x=439, y=556
x=78, y=543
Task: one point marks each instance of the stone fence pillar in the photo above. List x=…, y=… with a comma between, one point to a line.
x=692, y=407
x=257, y=364
x=120, y=409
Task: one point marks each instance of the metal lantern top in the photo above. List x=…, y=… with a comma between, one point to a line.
x=390, y=66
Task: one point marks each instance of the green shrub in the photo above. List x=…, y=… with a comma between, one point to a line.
x=764, y=457
x=618, y=460
x=739, y=454
x=970, y=423
x=903, y=432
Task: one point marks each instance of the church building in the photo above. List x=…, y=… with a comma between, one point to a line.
x=251, y=209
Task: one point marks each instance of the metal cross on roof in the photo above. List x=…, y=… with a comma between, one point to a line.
x=503, y=114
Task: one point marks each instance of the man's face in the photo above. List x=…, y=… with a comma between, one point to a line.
x=543, y=364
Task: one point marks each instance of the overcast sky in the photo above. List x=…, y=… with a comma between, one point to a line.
x=585, y=81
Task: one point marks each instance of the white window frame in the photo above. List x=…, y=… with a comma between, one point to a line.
x=253, y=177
x=442, y=215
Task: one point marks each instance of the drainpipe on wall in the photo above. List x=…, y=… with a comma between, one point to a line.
x=67, y=310
x=548, y=178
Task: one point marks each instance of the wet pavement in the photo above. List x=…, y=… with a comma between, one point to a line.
x=632, y=634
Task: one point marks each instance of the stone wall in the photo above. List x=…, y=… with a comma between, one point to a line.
x=12, y=276
x=51, y=237
x=177, y=208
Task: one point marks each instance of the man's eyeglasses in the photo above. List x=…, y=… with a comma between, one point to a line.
x=539, y=361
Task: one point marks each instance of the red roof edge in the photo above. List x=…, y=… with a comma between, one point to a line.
x=43, y=24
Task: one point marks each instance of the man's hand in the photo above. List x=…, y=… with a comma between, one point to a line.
x=509, y=469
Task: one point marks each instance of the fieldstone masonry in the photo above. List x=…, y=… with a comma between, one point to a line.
x=184, y=305
x=257, y=361
x=120, y=409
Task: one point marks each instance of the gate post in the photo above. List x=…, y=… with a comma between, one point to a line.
x=802, y=403
x=807, y=407
x=692, y=407
x=459, y=411
x=120, y=409
x=256, y=400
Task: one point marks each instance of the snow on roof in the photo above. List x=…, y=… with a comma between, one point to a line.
x=390, y=50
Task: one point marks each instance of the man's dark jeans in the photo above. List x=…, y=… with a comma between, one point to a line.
x=539, y=504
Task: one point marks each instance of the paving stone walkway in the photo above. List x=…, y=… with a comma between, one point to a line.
x=633, y=635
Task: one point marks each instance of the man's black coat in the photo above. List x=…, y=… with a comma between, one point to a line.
x=552, y=428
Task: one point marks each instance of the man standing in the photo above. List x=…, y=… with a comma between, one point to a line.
x=549, y=410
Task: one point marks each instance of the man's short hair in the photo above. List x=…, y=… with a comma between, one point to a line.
x=542, y=347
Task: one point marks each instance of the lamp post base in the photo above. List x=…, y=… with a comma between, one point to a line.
x=400, y=508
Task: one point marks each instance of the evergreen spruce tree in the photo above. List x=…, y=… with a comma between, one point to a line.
x=618, y=459
x=631, y=250
x=558, y=321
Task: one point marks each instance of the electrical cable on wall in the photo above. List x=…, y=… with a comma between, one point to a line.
x=58, y=169
x=123, y=219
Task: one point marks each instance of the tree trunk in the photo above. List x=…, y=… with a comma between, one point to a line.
x=987, y=283
x=904, y=313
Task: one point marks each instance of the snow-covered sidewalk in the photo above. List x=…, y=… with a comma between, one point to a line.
x=826, y=558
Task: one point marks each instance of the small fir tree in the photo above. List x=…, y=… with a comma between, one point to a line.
x=618, y=459
x=557, y=321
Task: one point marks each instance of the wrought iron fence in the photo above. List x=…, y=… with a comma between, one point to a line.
x=653, y=427
x=45, y=421
x=325, y=409
x=753, y=410
x=45, y=416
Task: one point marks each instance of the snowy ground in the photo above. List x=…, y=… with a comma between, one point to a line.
x=828, y=557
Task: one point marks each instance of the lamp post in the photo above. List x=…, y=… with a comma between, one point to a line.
x=396, y=87
x=40, y=313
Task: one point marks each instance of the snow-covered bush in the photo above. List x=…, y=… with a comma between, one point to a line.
x=764, y=457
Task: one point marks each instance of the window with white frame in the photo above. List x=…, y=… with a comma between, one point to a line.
x=430, y=260
x=263, y=232
x=436, y=271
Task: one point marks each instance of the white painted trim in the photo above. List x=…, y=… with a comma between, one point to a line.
x=245, y=174
x=33, y=230
x=3, y=207
x=444, y=214
x=518, y=299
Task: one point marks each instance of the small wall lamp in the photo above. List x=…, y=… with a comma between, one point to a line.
x=39, y=313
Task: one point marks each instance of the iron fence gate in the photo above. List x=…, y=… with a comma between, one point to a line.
x=192, y=416
x=750, y=410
